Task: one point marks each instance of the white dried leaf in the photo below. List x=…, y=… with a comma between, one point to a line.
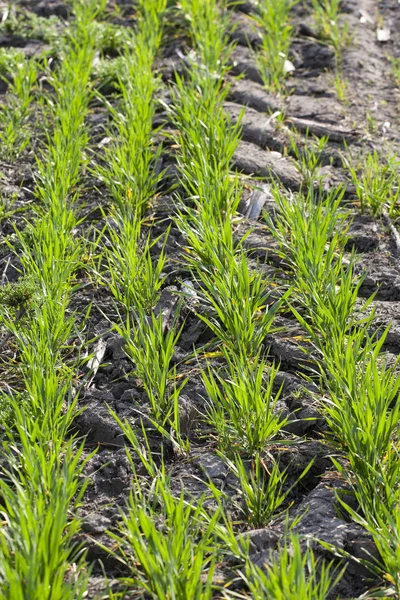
x=104, y=142
x=366, y=17
x=98, y=355
x=288, y=66
x=383, y=34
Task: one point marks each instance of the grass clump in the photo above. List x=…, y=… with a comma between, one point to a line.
x=15, y=115
x=263, y=488
x=168, y=542
x=272, y=18
x=311, y=236
x=292, y=573
x=376, y=183
x=365, y=417
x=210, y=26
x=134, y=276
x=37, y=538
x=327, y=17
x=170, y=552
x=237, y=305
x=308, y=159
x=152, y=352
x=242, y=404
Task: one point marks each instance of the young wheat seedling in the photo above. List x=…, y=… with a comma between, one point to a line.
x=291, y=574
x=272, y=18
x=242, y=404
x=263, y=489
x=167, y=543
x=327, y=19
x=15, y=129
x=377, y=183
x=43, y=484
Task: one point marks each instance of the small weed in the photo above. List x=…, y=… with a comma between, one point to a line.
x=10, y=58
x=110, y=39
x=19, y=295
x=342, y=87
x=7, y=208
x=371, y=122
x=107, y=72
x=395, y=62
x=28, y=25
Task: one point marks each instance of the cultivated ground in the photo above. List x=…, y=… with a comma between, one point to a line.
x=200, y=288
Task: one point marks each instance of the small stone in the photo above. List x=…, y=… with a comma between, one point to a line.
x=95, y=524
x=212, y=466
x=116, y=347
x=119, y=390
x=187, y=414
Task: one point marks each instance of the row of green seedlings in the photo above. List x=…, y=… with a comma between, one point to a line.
x=129, y=338
x=272, y=22
x=20, y=76
x=360, y=389
x=42, y=484
x=21, y=112
x=178, y=559
x=167, y=561
x=131, y=174
x=376, y=182
x=235, y=303
x=374, y=175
